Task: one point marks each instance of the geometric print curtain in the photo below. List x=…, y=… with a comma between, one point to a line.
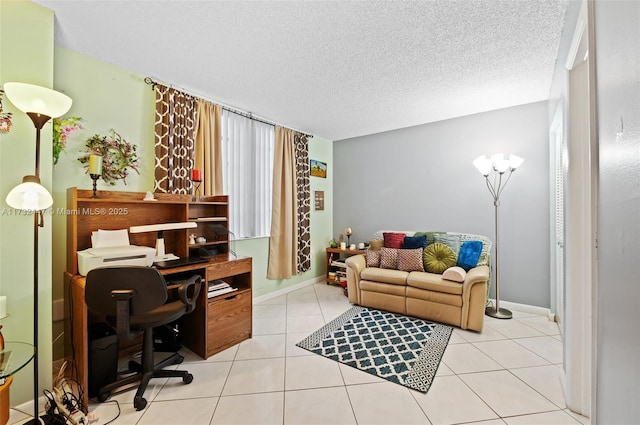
x=304, y=202
x=175, y=120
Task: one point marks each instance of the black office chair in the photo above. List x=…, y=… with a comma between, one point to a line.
x=134, y=299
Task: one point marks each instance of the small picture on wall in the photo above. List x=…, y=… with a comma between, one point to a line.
x=318, y=169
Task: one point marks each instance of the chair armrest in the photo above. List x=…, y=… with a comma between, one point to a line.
x=183, y=291
x=355, y=265
x=475, y=275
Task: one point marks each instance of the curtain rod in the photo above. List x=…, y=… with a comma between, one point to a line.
x=249, y=115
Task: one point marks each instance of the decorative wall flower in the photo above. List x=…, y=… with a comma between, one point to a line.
x=118, y=156
x=62, y=129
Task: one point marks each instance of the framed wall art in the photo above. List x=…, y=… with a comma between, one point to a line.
x=318, y=169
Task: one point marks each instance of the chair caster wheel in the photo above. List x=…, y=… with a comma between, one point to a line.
x=139, y=403
x=187, y=379
x=102, y=397
x=178, y=360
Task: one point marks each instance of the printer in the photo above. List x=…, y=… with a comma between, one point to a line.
x=112, y=248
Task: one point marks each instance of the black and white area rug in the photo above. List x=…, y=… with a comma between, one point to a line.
x=401, y=349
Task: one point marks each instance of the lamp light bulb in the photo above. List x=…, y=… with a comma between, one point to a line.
x=483, y=164
x=501, y=165
x=514, y=162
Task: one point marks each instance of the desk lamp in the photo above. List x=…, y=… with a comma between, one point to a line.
x=40, y=104
x=499, y=165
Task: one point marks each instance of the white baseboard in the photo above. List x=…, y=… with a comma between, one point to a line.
x=288, y=289
x=525, y=308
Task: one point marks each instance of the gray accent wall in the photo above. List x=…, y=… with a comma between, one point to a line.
x=421, y=178
x=617, y=39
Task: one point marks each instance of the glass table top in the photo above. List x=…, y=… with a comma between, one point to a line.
x=14, y=357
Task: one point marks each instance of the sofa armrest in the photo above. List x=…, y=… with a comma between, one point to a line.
x=355, y=265
x=474, y=289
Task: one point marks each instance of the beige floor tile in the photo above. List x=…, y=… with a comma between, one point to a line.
x=331, y=310
x=105, y=412
x=456, y=338
x=544, y=346
x=311, y=372
x=303, y=309
x=269, y=325
x=16, y=417
x=513, y=328
x=126, y=394
x=465, y=358
x=506, y=394
x=255, y=409
x=581, y=419
x=302, y=324
x=318, y=406
x=330, y=293
x=509, y=354
x=544, y=379
x=543, y=324
x=557, y=417
x=255, y=376
x=261, y=311
x=208, y=380
x=488, y=334
x=193, y=412
x=443, y=370
x=262, y=347
x=292, y=350
x=279, y=300
x=450, y=401
x=385, y=403
x=303, y=295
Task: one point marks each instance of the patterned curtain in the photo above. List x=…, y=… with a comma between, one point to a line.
x=174, y=140
x=304, y=202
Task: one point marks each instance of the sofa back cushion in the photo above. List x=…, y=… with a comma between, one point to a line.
x=393, y=240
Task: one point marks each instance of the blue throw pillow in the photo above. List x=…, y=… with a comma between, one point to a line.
x=469, y=254
x=414, y=242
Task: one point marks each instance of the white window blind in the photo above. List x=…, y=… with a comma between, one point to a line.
x=247, y=173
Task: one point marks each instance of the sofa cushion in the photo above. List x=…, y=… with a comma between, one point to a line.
x=393, y=240
x=413, y=242
x=375, y=274
x=383, y=288
x=388, y=258
x=433, y=282
x=452, y=240
x=372, y=258
x=438, y=258
x=454, y=274
x=469, y=254
x=410, y=260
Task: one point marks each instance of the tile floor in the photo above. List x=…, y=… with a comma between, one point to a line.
x=508, y=374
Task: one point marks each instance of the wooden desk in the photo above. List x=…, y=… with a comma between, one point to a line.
x=215, y=324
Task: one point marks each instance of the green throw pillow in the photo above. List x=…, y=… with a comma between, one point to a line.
x=438, y=258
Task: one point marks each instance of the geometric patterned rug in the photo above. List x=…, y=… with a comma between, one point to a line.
x=400, y=349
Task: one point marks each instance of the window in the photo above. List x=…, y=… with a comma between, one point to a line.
x=247, y=173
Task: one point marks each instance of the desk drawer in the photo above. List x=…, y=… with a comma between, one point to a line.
x=228, y=321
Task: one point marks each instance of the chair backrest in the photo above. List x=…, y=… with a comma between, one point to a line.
x=150, y=289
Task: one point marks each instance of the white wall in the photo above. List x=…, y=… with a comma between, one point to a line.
x=421, y=178
x=617, y=32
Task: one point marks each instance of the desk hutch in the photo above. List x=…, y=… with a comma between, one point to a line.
x=217, y=323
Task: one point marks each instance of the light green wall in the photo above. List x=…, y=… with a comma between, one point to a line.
x=110, y=97
x=321, y=227
x=26, y=55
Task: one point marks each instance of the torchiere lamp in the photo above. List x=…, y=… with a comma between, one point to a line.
x=499, y=165
x=40, y=104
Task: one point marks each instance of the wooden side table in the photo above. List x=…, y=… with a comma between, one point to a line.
x=336, y=267
x=4, y=400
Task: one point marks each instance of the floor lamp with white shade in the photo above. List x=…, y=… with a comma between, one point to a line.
x=40, y=104
x=498, y=165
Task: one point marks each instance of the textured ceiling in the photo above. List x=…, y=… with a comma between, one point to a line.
x=337, y=69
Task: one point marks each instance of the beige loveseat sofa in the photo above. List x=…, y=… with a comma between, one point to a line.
x=423, y=294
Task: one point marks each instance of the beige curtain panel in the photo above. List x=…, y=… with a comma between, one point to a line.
x=209, y=147
x=174, y=140
x=283, y=242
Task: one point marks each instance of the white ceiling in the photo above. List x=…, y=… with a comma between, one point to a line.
x=337, y=69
